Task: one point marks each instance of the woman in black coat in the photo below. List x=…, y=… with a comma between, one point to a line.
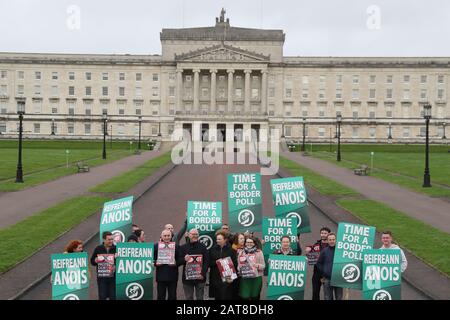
x=217, y=288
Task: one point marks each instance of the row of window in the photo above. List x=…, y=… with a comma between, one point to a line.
x=288, y=93
x=87, y=91
x=323, y=132
x=88, y=129
x=356, y=79
x=121, y=76
x=406, y=113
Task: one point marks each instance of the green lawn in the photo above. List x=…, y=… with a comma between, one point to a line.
x=399, y=164
x=44, y=161
x=132, y=177
x=23, y=239
x=426, y=242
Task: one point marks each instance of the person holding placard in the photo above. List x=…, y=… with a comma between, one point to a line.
x=251, y=267
x=167, y=259
x=219, y=289
x=286, y=247
x=238, y=244
x=386, y=239
x=325, y=266
x=195, y=266
x=103, y=258
x=312, y=253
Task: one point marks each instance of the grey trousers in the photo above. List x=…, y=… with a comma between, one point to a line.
x=199, y=288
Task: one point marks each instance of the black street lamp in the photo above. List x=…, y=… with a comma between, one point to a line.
x=427, y=116
x=53, y=127
x=110, y=138
x=304, y=134
x=139, y=141
x=105, y=120
x=159, y=130
x=390, y=132
x=20, y=112
x=282, y=130
x=339, y=120
x=443, y=125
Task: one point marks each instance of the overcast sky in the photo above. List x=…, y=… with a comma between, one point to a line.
x=313, y=28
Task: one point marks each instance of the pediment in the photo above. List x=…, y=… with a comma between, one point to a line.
x=222, y=53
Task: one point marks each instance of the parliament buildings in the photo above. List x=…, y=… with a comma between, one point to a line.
x=225, y=79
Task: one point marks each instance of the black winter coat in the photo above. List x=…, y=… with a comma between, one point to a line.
x=192, y=248
x=166, y=272
x=217, y=288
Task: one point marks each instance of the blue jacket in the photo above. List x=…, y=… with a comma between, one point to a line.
x=325, y=262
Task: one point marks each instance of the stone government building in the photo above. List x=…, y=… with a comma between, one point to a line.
x=224, y=79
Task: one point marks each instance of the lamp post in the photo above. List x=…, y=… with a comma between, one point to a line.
x=20, y=112
x=427, y=116
x=159, y=130
x=304, y=134
x=390, y=132
x=282, y=130
x=104, y=133
x=110, y=138
x=339, y=120
x=443, y=125
x=139, y=141
x=53, y=127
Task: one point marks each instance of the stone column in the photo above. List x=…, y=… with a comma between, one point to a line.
x=196, y=88
x=264, y=92
x=230, y=89
x=179, y=104
x=247, y=91
x=213, y=90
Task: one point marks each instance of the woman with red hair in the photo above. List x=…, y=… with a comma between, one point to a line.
x=74, y=246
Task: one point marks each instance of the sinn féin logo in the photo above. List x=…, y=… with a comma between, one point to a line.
x=295, y=215
x=118, y=236
x=71, y=296
x=134, y=291
x=285, y=297
x=350, y=273
x=206, y=240
x=382, y=295
x=246, y=218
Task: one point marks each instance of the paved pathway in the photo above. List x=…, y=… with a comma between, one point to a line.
x=166, y=203
x=16, y=206
x=432, y=211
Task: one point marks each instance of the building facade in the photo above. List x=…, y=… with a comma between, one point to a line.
x=219, y=80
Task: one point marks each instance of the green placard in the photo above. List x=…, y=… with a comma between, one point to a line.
x=117, y=217
x=134, y=271
x=382, y=274
x=290, y=200
x=206, y=217
x=351, y=241
x=273, y=229
x=70, y=276
x=244, y=202
x=287, y=277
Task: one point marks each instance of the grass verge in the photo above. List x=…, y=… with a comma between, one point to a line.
x=127, y=180
x=37, y=178
x=24, y=238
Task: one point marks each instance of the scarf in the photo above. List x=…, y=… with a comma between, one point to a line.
x=250, y=250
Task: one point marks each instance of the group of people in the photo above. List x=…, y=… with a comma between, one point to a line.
x=238, y=247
